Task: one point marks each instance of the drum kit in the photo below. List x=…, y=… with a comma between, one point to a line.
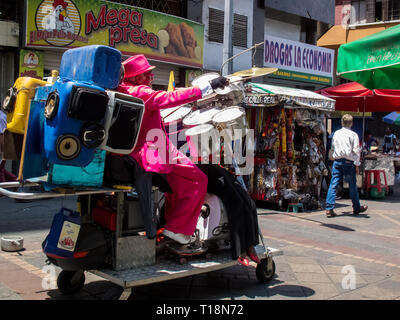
x=202, y=123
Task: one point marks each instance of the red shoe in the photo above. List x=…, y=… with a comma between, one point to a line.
x=251, y=253
x=243, y=261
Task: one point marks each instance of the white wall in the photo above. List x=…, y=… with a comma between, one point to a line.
x=282, y=29
x=213, y=51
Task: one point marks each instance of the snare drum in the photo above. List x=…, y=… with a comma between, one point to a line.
x=198, y=117
x=173, y=123
x=203, y=141
x=232, y=119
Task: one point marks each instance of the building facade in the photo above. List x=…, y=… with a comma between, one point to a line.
x=148, y=26
x=355, y=19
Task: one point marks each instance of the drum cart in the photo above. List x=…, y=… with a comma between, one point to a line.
x=134, y=260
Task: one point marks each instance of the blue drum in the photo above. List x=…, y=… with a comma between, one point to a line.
x=96, y=64
x=74, y=115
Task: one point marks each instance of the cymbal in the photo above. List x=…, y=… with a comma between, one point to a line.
x=254, y=72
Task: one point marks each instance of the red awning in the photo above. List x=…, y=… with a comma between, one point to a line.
x=352, y=96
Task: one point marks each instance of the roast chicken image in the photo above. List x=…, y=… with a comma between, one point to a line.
x=179, y=40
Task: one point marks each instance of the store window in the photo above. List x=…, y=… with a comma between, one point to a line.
x=394, y=10
x=358, y=12
x=378, y=11
x=216, y=28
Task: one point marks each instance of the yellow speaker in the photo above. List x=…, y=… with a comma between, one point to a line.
x=17, y=102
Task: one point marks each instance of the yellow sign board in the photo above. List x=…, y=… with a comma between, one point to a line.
x=132, y=30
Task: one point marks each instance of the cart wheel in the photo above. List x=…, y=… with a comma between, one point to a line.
x=67, y=284
x=263, y=273
x=113, y=294
x=390, y=192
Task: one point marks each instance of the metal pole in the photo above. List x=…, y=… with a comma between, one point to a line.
x=228, y=47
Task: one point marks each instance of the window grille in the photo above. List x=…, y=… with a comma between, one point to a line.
x=216, y=28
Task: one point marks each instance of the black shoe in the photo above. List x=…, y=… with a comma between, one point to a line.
x=330, y=213
x=362, y=209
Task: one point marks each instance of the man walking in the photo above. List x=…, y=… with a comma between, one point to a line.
x=346, y=155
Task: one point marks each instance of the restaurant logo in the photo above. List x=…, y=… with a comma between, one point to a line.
x=58, y=22
x=31, y=60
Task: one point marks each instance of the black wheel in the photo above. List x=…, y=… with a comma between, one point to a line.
x=67, y=283
x=263, y=273
x=390, y=192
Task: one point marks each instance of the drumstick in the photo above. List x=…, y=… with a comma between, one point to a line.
x=173, y=111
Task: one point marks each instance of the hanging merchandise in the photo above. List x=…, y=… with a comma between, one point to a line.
x=290, y=144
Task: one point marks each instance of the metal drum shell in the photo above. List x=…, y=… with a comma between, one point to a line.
x=194, y=140
x=238, y=122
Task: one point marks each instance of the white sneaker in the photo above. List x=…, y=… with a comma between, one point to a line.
x=179, y=237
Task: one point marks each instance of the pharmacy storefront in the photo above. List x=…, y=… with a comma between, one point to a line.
x=306, y=65
x=53, y=26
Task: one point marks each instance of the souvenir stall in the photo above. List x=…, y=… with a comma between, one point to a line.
x=290, y=144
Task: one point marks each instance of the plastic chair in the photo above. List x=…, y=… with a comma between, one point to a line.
x=295, y=207
x=377, y=179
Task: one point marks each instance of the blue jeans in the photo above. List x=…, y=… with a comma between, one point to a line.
x=340, y=169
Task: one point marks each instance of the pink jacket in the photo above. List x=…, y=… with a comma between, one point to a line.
x=146, y=153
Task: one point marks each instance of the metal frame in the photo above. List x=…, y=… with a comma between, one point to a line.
x=163, y=269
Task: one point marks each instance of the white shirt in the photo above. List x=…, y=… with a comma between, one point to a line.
x=346, y=144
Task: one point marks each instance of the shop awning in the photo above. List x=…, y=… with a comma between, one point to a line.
x=373, y=61
x=353, y=96
x=268, y=95
x=338, y=34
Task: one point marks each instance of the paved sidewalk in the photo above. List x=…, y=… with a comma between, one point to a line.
x=347, y=257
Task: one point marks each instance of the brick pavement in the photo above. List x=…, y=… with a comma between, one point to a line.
x=317, y=252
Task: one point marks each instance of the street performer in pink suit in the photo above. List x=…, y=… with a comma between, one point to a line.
x=155, y=153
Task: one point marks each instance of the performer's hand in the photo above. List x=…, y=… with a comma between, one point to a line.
x=220, y=82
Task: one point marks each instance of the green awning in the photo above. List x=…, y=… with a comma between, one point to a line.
x=373, y=61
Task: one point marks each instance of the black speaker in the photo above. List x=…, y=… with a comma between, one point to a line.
x=9, y=100
x=68, y=147
x=51, y=106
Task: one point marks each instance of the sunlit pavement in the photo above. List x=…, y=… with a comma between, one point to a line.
x=346, y=257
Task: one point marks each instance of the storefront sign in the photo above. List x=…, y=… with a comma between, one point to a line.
x=31, y=64
x=190, y=75
x=262, y=100
x=132, y=30
x=299, y=61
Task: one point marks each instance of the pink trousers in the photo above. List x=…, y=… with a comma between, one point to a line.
x=189, y=186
